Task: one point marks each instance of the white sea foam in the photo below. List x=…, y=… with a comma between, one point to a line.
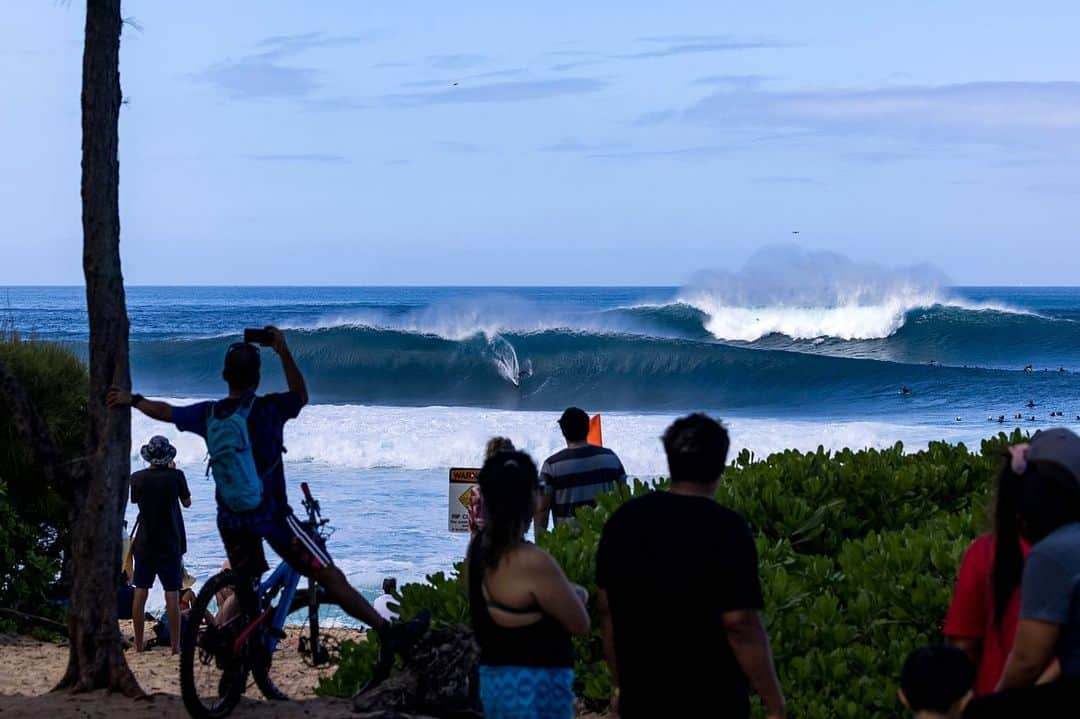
x=806, y=295
x=354, y=437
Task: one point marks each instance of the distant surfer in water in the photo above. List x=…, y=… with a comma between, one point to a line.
x=1030, y=404
x=905, y=391
x=1029, y=369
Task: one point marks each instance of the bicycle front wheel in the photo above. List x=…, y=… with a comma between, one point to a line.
x=213, y=674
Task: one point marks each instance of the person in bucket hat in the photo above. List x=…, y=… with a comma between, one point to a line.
x=160, y=541
x=158, y=452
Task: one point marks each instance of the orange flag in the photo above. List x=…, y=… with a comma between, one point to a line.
x=596, y=433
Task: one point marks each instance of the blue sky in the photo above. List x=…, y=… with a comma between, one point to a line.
x=551, y=143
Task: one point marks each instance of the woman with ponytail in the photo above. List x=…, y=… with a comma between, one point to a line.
x=986, y=603
x=524, y=610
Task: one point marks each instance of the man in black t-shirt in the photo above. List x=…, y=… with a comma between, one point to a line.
x=160, y=540
x=700, y=655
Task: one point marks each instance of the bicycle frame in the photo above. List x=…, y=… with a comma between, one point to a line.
x=283, y=582
x=285, y=579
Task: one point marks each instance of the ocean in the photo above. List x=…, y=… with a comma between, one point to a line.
x=406, y=382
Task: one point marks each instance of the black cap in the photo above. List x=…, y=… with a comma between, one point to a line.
x=1060, y=446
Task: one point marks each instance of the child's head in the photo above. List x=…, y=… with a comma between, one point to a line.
x=937, y=680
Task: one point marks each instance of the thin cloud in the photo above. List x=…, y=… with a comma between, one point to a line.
x=280, y=46
x=995, y=112
x=456, y=61
x=254, y=78
x=309, y=157
x=703, y=152
x=657, y=117
x=573, y=145
x=671, y=45
x=736, y=82
x=514, y=91
x=785, y=180
x=1056, y=189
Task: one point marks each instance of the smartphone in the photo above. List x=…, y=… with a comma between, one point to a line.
x=258, y=337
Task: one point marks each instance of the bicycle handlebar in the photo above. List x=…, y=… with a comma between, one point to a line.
x=307, y=491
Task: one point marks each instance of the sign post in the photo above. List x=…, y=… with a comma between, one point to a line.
x=463, y=482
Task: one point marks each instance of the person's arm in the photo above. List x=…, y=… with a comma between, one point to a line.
x=555, y=594
x=293, y=378
x=1045, y=605
x=154, y=409
x=609, y=636
x=183, y=492
x=970, y=646
x=750, y=643
x=540, y=518
x=969, y=609
x=1031, y=655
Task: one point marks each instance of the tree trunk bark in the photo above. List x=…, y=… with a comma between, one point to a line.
x=96, y=659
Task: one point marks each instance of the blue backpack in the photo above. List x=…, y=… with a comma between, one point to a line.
x=231, y=460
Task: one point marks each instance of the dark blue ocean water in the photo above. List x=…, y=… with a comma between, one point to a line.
x=408, y=382
x=960, y=350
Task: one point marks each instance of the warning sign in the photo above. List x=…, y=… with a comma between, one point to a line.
x=463, y=482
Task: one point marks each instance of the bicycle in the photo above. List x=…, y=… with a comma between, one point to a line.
x=220, y=648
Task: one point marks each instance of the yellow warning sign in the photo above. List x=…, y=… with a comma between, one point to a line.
x=462, y=483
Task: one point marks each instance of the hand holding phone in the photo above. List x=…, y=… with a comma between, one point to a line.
x=259, y=336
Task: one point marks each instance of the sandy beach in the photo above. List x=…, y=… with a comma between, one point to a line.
x=30, y=668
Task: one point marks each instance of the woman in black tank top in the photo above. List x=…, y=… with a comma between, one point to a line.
x=524, y=610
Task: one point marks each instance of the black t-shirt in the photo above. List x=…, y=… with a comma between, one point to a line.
x=161, y=525
x=672, y=565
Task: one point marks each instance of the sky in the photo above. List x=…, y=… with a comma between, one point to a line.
x=556, y=143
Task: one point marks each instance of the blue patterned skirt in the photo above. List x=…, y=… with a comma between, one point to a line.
x=527, y=692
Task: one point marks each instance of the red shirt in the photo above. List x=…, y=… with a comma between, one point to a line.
x=971, y=614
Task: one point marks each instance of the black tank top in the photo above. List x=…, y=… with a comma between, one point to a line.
x=542, y=644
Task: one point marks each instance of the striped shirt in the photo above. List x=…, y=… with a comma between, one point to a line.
x=574, y=477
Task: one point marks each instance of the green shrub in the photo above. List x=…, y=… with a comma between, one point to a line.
x=858, y=554
x=34, y=515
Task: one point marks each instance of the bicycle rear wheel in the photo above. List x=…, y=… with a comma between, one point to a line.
x=213, y=675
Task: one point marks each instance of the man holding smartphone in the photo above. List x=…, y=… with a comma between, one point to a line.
x=273, y=520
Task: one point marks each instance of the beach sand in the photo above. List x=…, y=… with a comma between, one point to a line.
x=29, y=669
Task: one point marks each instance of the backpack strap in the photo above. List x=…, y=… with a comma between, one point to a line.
x=245, y=407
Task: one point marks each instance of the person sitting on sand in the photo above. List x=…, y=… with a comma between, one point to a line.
x=1049, y=625
x=701, y=660
x=160, y=541
x=386, y=603
x=936, y=683
x=273, y=520
x=574, y=477
x=523, y=608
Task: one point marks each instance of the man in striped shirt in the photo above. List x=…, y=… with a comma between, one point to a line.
x=573, y=477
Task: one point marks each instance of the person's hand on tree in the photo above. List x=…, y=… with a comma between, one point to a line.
x=117, y=397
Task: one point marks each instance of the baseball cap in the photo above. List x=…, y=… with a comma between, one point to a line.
x=1060, y=446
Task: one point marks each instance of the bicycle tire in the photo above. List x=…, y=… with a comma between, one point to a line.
x=194, y=641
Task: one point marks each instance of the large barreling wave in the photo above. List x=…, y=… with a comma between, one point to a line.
x=791, y=329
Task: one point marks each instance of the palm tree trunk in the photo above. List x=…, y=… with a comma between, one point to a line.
x=96, y=659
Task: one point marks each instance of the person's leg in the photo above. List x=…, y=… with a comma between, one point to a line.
x=145, y=572
x=138, y=615
x=345, y=596
x=172, y=609
x=305, y=552
x=171, y=574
